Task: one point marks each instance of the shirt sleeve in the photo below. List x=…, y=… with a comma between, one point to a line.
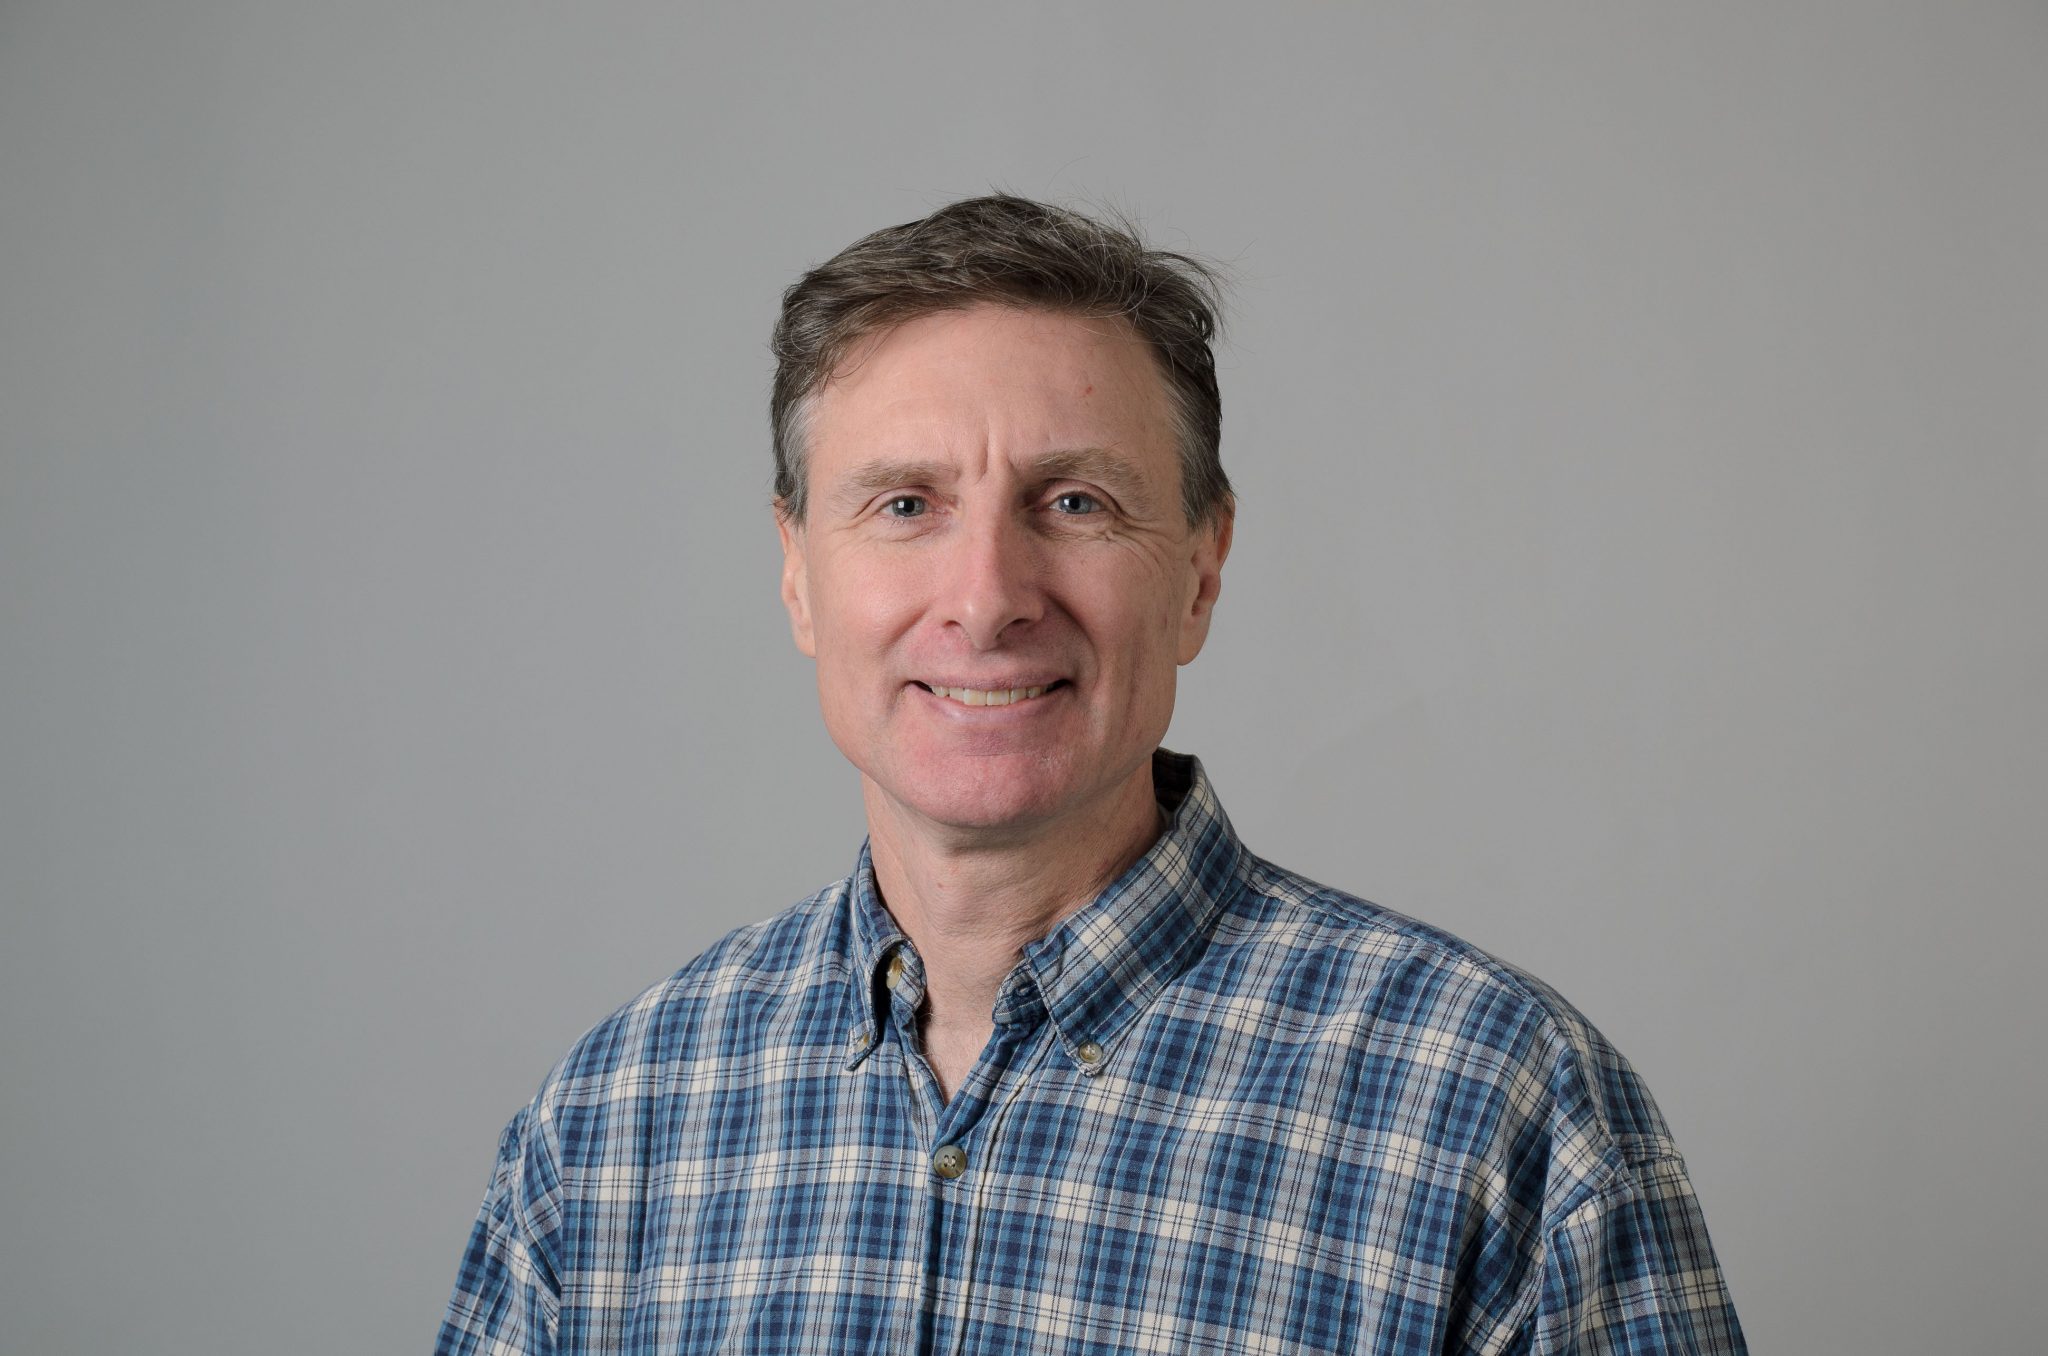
x=506, y=1299
x=1630, y=1272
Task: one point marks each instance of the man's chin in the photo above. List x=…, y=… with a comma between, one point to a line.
x=1001, y=797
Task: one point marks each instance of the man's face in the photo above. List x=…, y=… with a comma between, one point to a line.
x=994, y=505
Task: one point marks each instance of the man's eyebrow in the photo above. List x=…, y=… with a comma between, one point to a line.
x=1111, y=470
x=884, y=473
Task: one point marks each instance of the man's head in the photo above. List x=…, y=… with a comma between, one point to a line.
x=1008, y=251
x=993, y=546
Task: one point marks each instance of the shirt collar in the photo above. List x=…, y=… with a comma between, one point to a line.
x=1104, y=964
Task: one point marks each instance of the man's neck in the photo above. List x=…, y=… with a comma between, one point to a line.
x=971, y=903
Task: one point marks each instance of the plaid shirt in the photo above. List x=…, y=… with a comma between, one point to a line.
x=1223, y=1108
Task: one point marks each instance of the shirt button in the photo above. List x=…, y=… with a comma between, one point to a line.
x=860, y=1038
x=1090, y=1053
x=895, y=975
x=950, y=1161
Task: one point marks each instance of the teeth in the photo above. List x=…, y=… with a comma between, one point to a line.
x=985, y=696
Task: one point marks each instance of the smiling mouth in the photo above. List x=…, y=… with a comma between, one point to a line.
x=992, y=696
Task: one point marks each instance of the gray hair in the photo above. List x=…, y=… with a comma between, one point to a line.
x=1015, y=252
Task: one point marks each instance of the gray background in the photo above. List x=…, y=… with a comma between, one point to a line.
x=1638, y=414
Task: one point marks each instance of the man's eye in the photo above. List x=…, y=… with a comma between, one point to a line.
x=1075, y=502
x=904, y=506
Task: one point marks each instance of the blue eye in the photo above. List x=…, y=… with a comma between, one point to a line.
x=904, y=506
x=1073, y=502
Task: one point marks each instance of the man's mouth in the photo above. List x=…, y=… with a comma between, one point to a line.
x=992, y=696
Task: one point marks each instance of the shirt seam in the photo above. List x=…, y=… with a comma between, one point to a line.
x=550, y=1273
x=1621, y=1185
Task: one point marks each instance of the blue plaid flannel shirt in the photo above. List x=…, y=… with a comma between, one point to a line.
x=1223, y=1109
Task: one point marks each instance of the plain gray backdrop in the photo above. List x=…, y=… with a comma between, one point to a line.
x=1638, y=418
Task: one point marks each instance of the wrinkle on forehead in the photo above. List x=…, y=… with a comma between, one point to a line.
x=1110, y=470
x=952, y=343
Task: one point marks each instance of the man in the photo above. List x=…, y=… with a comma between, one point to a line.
x=1062, y=1067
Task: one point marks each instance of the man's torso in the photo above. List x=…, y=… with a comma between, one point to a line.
x=1222, y=1109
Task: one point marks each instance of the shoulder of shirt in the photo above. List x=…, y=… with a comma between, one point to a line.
x=1462, y=990
x=772, y=961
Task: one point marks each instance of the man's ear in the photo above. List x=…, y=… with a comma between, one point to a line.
x=796, y=580
x=1210, y=546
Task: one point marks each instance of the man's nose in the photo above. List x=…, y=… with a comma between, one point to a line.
x=992, y=580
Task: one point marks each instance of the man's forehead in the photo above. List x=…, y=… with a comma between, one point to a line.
x=985, y=352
